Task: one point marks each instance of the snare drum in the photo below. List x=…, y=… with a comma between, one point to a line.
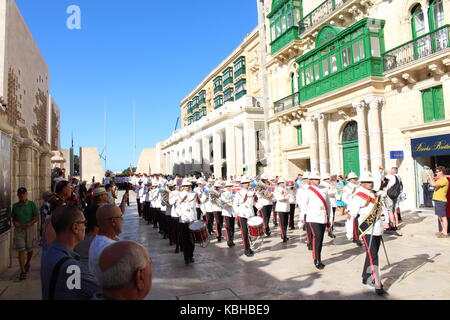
x=199, y=233
x=255, y=227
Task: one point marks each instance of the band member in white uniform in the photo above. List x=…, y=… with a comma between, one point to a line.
x=266, y=204
x=199, y=207
x=351, y=224
x=292, y=201
x=283, y=207
x=217, y=211
x=175, y=231
x=146, y=204
x=245, y=200
x=317, y=206
x=138, y=189
x=326, y=182
x=301, y=194
x=228, y=212
x=208, y=207
x=188, y=214
x=361, y=206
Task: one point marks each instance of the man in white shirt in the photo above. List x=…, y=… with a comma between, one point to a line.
x=360, y=207
x=110, y=222
x=188, y=214
x=351, y=224
x=317, y=207
x=244, y=202
x=282, y=208
x=301, y=193
x=266, y=204
x=138, y=189
x=228, y=212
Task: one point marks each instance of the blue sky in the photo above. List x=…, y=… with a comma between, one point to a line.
x=153, y=51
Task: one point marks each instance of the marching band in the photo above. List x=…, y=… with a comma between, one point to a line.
x=189, y=211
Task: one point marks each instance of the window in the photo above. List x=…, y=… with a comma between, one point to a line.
x=316, y=72
x=325, y=67
x=283, y=17
x=346, y=57
x=436, y=14
x=240, y=88
x=333, y=63
x=202, y=97
x=418, y=22
x=228, y=95
x=217, y=84
x=218, y=102
x=375, y=45
x=299, y=136
x=239, y=67
x=433, y=104
x=228, y=76
x=358, y=50
x=309, y=75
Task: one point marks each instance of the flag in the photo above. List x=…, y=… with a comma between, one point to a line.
x=179, y=182
x=271, y=189
x=289, y=183
x=234, y=190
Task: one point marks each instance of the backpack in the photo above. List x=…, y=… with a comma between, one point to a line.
x=395, y=190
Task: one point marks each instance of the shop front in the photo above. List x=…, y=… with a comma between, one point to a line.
x=428, y=153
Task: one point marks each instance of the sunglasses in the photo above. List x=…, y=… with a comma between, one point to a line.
x=82, y=222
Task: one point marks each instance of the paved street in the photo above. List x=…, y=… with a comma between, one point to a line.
x=419, y=267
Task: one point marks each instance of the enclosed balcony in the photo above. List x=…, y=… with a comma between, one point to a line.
x=430, y=52
x=287, y=103
x=333, y=12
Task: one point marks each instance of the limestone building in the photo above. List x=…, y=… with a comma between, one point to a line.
x=223, y=119
x=29, y=119
x=359, y=84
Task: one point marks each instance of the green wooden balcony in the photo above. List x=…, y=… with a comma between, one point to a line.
x=319, y=14
x=287, y=103
x=239, y=72
x=218, y=89
x=286, y=38
x=423, y=46
x=227, y=81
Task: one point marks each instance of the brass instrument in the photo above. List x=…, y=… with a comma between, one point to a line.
x=214, y=198
x=165, y=192
x=261, y=188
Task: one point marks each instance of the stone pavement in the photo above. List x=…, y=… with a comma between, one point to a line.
x=419, y=267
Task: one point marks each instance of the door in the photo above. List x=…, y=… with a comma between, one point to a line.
x=350, y=147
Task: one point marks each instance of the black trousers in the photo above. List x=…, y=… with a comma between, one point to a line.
x=283, y=217
x=318, y=231
x=308, y=233
x=164, y=222
x=139, y=206
x=229, y=228
x=371, y=265
x=146, y=211
x=199, y=213
x=244, y=233
x=219, y=224
x=427, y=195
x=266, y=212
x=188, y=245
x=291, y=216
x=161, y=217
x=274, y=214
x=175, y=232
x=210, y=221
x=156, y=213
x=356, y=229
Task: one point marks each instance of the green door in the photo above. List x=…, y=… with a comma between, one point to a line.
x=351, y=157
x=350, y=148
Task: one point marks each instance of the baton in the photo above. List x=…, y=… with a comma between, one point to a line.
x=385, y=252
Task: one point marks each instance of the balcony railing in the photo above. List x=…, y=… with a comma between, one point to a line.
x=287, y=103
x=319, y=14
x=423, y=46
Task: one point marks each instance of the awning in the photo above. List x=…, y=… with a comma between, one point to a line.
x=431, y=146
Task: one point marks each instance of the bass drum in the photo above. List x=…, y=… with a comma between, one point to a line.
x=199, y=233
x=255, y=227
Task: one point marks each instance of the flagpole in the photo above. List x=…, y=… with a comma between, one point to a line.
x=104, y=135
x=134, y=130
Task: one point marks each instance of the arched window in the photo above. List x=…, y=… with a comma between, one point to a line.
x=293, y=86
x=350, y=132
x=418, y=21
x=436, y=14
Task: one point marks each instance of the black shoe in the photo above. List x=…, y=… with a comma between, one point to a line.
x=358, y=243
x=380, y=291
x=285, y=239
x=186, y=262
x=309, y=247
x=331, y=235
x=248, y=254
x=364, y=281
x=192, y=260
x=229, y=244
x=275, y=224
x=219, y=239
x=268, y=234
x=292, y=228
x=177, y=250
x=318, y=264
x=233, y=244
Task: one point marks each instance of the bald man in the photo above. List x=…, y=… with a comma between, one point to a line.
x=124, y=272
x=110, y=222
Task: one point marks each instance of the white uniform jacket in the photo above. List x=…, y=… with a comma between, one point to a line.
x=314, y=207
x=282, y=200
x=188, y=212
x=146, y=194
x=153, y=196
x=331, y=192
x=262, y=202
x=348, y=191
x=228, y=197
x=357, y=205
x=215, y=208
x=245, y=209
x=291, y=196
x=173, y=198
x=139, y=191
x=301, y=192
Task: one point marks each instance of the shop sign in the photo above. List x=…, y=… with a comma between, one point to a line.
x=431, y=146
x=397, y=155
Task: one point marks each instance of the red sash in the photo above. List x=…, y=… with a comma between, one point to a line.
x=324, y=203
x=365, y=197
